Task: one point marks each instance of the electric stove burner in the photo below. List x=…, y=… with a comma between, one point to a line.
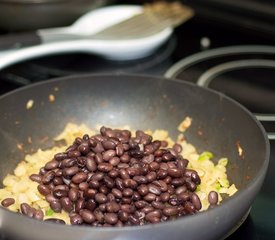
x=244, y=73
x=62, y=65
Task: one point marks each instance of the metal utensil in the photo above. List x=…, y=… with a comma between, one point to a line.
x=152, y=20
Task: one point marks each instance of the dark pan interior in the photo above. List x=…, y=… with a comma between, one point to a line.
x=219, y=124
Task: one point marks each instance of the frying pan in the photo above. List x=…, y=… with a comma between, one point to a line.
x=142, y=102
x=26, y=15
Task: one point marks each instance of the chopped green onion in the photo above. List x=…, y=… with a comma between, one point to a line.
x=205, y=156
x=49, y=212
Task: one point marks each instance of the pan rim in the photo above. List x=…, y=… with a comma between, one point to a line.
x=240, y=194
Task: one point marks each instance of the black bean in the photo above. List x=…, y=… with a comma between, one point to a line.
x=124, y=174
x=143, y=190
x=90, y=204
x=58, y=181
x=73, y=194
x=79, y=177
x=125, y=158
x=191, y=186
x=154, y=189
x=80, y=204
x=76, y=219
x=68, y=162
x=158, y=205
x=49, y=198
x=87, y=216
x=119, y=149
x=91, y=164
x=151, y=176
x=74, y=154
x=140, y=179
x=83, y=186
x=101, y=198
x=175, y=172
x=98, y=176
x=148, y=158
x=117, y=193
x=111, y=218
x=177, y=147
x=171, y=165
x=55, y=220
x=173, y=201
x=189, y=208
x=98, y=148
x=66, y=204
x=134, y=220
x=7, y=202
x=130, y=183
x=84, y=148
x=114, y=161
x=153, y=214
x=25, y=208
x=60, y=156
x=108, y=155
x=112, y=207
x=39, y=215
x=119, y=183
x=123, y=165
x=127, y=192
x=48, y=177
x=196, y=201
x=180, y=190
x=99, y=158
x=150, y=197
x=177, y=182
x=103, y=189
x=56, y=206
x=141, y=204
x=161, y=174
x=164, y=197
x=105, y=167
x=43, y=189
x=36, y=178
x=154, y=166
x=51, y=165
x=170, y=211
x=60, y=193
x=67, y=172
x=99, y=216
x=90, y=193
x=113, y=173
x=109, y=182
x=168, y=157
x=149, y=149
x=123, y=216
x=128, y=208
x=195, y=178
x=213, y=198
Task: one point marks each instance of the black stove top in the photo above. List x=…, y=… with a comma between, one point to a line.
x=253, y=86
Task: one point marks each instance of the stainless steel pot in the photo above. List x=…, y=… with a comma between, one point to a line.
x=26, y=15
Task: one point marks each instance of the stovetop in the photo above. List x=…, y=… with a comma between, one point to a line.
x=195, y=36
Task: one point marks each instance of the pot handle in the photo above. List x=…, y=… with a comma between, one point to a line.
x=16, y=41
x=205, y=79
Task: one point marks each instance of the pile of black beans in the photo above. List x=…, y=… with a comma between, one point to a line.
x=116, y=179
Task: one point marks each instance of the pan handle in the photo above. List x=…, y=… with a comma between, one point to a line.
x=15, y=41
x=205, y=79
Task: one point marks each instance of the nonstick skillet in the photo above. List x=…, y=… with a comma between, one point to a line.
x=220, y=125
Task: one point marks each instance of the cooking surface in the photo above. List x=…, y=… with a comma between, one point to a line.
x=249, y=86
